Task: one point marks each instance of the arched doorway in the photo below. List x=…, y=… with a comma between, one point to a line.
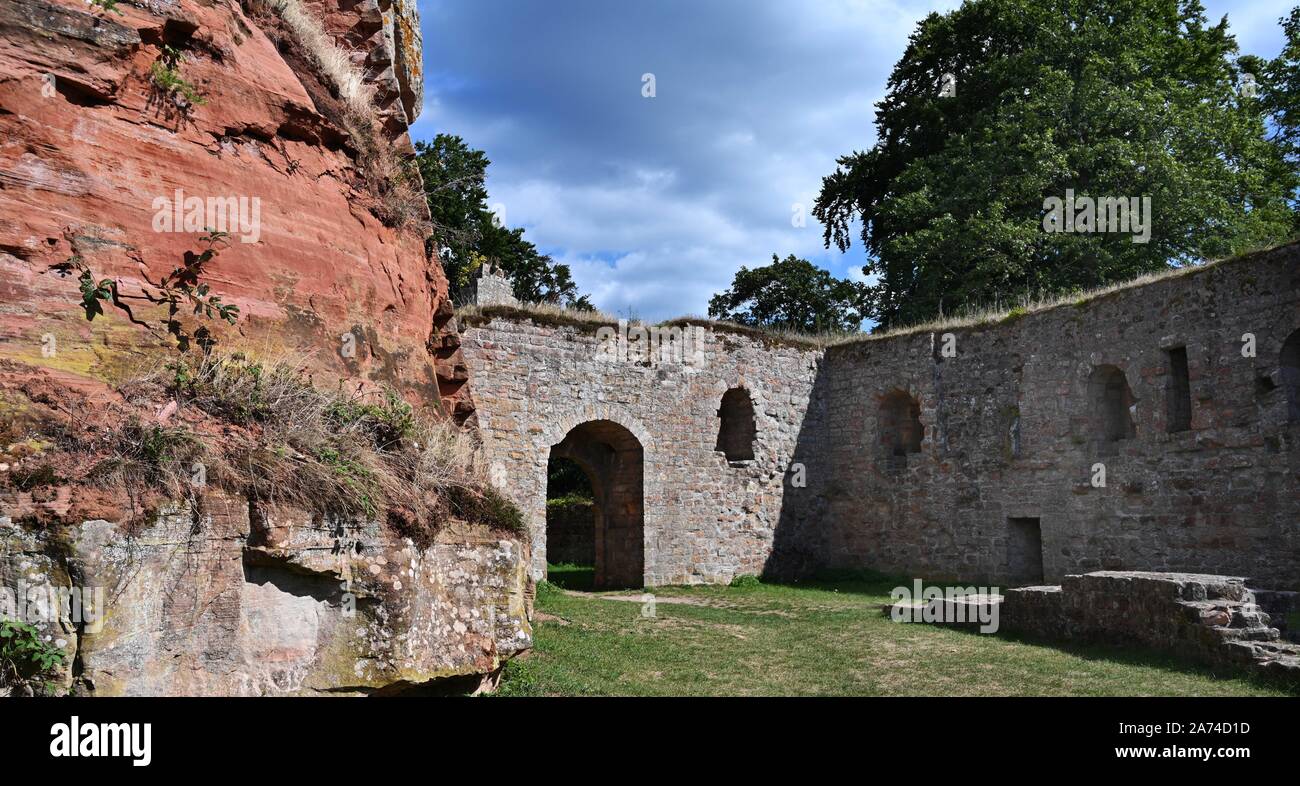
x=613, y=461
x=1111, y=401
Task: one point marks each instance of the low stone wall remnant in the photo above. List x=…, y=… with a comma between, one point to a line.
x=1204, y=618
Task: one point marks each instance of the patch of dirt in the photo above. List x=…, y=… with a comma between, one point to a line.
x=638, y=598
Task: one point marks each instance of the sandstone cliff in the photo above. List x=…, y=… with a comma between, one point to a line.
x=114, y=117
x=91, y=142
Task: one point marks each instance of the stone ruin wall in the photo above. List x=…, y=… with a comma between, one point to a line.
x=705, y=519
x=1011, y=431
x=1010, y=428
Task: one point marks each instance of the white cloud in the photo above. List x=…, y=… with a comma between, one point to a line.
x=859, y=275
x=655, y=203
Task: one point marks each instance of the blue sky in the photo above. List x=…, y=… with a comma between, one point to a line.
x=656, y=202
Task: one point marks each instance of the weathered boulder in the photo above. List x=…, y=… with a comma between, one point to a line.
x=240, y=599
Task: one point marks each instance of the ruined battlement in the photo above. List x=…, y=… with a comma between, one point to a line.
x=1154, y=427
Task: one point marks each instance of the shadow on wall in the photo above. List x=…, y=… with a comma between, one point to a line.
x=1290, y=375
x=797, y=541
x=908, y=463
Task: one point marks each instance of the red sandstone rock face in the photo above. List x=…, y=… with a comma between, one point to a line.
x=88, y=143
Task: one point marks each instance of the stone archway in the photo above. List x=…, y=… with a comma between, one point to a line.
x=614, y=461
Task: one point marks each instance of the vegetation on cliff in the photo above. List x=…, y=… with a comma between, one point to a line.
x=26, y=660
x=185, y=288
x=386, y=171
x=255, y=428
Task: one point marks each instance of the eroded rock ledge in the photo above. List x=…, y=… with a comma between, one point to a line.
x=233, y=597
x=246, y=599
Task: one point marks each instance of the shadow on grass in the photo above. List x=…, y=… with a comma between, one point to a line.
x=851, y=582
x=872, y=583
x=1139, y=655
x=572, y=577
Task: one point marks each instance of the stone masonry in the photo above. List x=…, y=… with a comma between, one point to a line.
x=491, y=287
x=703, y=518
x=1155, y=427
x=1215, y=620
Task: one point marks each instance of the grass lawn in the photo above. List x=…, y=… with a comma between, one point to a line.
x=812, y=639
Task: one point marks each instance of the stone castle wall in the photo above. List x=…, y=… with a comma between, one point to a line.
x=706, y=519
x=1012, y=432
x=980, y=465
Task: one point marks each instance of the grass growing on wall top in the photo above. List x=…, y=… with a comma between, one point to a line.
x=980, y=315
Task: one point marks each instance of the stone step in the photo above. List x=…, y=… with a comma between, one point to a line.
x=1246, y=634
x=1225, y=613
x=1283, y=607
x=1281, y=659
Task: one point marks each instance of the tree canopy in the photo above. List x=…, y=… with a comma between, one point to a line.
x=1100, y=98
x=468, y=233
x=792, y=294
x=1280, y=96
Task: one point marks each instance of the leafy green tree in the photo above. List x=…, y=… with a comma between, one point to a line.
x=565, y=479
x=1280, y=96
x=468, y=233
x=1108, y=98
x=536, y=277
x=792, y=294
x=455, y=187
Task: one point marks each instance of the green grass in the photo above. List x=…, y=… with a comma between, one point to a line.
x=826, y=638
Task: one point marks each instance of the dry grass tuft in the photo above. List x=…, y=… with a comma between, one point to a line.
x=975, y=316
x=332, y=62
x=279, y=439
x=591, y=321
x=389, y=175
x=989, y=314
x=545, y=313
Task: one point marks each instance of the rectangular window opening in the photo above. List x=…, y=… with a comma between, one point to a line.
x=1178, y=392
